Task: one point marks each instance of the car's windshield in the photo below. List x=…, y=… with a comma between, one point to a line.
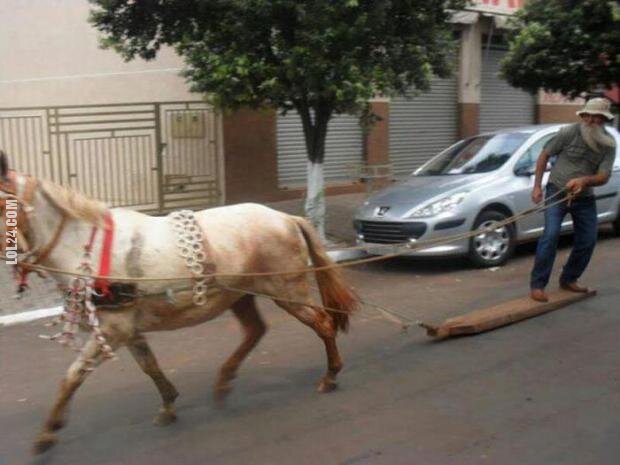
x=476, y=155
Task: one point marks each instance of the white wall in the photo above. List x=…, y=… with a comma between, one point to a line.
x=49, y=55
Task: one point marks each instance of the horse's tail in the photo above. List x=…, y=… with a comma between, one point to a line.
x=335, y=293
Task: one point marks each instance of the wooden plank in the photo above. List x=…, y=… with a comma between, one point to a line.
x=503, y=314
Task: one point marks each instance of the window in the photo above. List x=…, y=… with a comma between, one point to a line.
x=528, y=161
x=481, y=154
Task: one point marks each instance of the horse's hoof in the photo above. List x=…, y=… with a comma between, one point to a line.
x=165, y=418
x=56, y=425
x=44, y=441
x=220, y=394
x=327, y=385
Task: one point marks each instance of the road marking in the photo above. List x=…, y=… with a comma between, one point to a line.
x=25, y=317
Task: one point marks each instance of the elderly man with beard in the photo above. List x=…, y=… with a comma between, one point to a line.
x=585, y=156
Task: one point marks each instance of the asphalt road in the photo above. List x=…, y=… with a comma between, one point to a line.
x=541, y=392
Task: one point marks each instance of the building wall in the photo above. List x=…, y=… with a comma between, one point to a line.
x=557, y=113
x=251, y=168
x=469, y=78
x=50, y=55
x=378, y=139
x=555, y=108
x=377, y=143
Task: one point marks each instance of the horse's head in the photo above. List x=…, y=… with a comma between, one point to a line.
x=14, y=209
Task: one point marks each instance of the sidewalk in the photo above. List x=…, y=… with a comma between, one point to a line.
x=43, y=293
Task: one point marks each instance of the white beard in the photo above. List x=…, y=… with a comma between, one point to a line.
x=595, y=136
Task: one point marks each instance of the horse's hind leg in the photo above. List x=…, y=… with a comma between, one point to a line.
x=254, y=328
x=90, y=357
x=323, y=324
x=142, y=353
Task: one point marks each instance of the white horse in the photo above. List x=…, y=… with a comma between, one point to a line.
x=57, y=222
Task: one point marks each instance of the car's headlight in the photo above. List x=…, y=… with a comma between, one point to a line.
x=444, y=205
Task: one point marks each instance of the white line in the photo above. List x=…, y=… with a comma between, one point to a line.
x=94, y=75
x=25, y=317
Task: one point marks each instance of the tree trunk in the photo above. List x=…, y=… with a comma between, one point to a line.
x=314, y=206
x=315, y=121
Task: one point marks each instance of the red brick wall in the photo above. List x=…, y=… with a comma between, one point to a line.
x=468, y=119
x=557, y=113
x=250, y=161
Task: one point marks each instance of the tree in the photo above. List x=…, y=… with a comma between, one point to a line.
x=318, y=57
x=567, y=46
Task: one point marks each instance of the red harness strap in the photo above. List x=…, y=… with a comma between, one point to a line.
x=106, y=254
x=103, y=285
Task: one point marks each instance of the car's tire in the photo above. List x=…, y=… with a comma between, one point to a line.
x=616, y=224
x=493, y=248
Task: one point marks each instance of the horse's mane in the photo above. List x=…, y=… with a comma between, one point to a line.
x=74, y=204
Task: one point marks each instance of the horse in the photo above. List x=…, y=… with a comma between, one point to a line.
x=260, y=251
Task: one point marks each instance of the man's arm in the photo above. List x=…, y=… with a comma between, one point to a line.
x=541, y=166
x=602, y=176
x=578, y=184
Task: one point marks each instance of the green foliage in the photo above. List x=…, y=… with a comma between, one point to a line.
x=567, y=46
x=320, y=57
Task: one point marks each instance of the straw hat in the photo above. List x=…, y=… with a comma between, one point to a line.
x=597, y=106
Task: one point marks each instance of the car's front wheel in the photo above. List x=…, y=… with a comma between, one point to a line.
x=492, y=246
x=616, y=224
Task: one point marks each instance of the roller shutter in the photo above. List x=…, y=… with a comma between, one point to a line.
x=343, y=147
x=422, y=127
x=501, y=105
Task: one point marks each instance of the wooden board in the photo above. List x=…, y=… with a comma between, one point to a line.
x=503, y=314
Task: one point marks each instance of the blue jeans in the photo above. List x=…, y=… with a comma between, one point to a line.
x=583, y=212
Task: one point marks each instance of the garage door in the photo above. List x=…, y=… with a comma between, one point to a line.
x=423, y=126
x=501, y=105
x=343, y=147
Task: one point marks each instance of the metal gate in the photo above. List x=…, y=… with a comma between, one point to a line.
x=151, y=157
x=343, y=147
x=422, y=127
x=501, y=105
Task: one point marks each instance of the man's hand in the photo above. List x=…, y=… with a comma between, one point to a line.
x=575, y=186
x=537, y=194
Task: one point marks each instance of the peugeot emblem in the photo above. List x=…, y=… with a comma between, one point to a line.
x=381, y=211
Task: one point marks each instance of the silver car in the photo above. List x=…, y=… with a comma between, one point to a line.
x=473, y=183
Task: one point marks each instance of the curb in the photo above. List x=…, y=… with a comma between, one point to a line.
x=344, y=255
x=32, y=315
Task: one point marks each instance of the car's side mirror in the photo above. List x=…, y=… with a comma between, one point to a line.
x=525, y=171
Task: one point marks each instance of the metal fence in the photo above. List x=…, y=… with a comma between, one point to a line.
x=152, y=157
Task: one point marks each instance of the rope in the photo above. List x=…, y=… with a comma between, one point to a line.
x=390, y=315
x=408, y=246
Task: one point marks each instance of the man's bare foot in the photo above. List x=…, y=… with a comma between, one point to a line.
x=539, y=295
x=574, y=287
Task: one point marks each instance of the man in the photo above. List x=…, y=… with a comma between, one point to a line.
x=585, y=157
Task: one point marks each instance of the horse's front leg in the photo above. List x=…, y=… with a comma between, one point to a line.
x=90, y=357
x=142, y=353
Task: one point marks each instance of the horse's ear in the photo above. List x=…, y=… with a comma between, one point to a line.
x=4, y=165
